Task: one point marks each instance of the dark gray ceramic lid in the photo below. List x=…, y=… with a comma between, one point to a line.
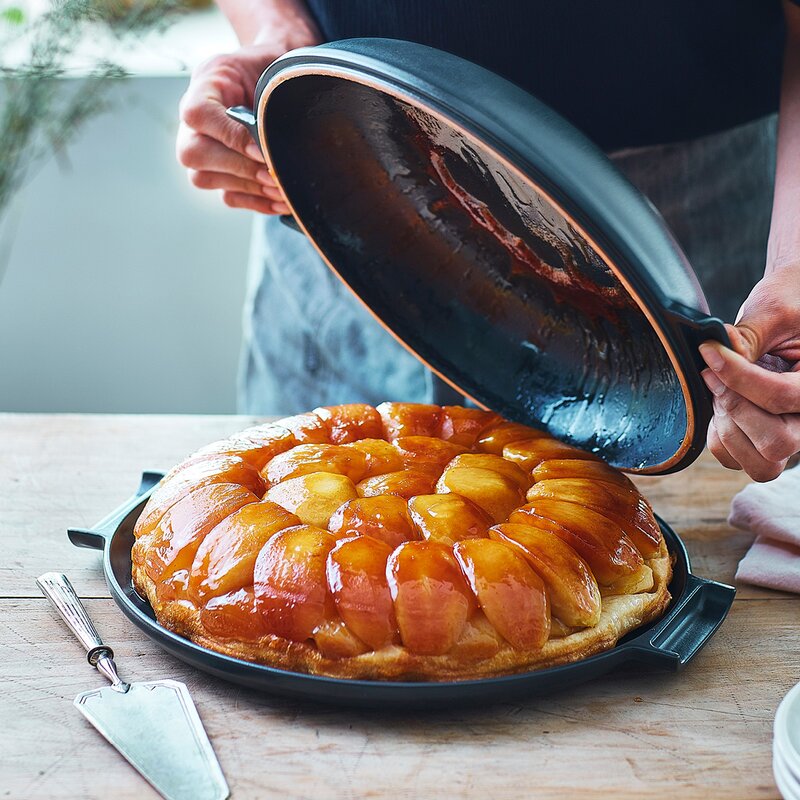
x=495, y=241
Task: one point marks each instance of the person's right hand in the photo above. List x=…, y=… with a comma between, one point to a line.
x=218, y=152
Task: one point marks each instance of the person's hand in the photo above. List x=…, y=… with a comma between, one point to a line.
x=218, y=152
x=756, y=386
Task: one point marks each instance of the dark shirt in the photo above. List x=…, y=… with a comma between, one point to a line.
x=628, y=73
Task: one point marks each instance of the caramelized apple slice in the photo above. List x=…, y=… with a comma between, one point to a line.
x=384, y=517
x=555, y=468
x=496, y=437
x=307, y=458
x=177, y=536
x=290, y=586
x=558, y=629
x=448, y=518
x=409, y=419
x=233, y=616
x=357, y=580
x=426, y=452
x=313, y=497
x=269, y=434
x=307, y=428
x=192, y=475
x=572, y=589
x=496, y=464
x=479, y=639
x=405, y=483
x=599, y=541
x=349, y=423
x=463, y=425
x=626, y=507
x=510, y=593
x=256, y=445
x=335, y=640
x=381, y=456
x=225, y=560
x=497, y=494
x=530, y=453
x=432, y=602
x=640, y=581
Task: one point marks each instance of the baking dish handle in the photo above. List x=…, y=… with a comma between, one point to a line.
x=695, y=327
x=96, y=537
x=674, y=641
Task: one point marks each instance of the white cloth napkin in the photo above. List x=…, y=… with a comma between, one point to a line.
x=772, y=512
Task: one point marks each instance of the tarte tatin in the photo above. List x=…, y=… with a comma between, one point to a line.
x=403, y=542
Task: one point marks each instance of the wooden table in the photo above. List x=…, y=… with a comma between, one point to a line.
x=705, y=733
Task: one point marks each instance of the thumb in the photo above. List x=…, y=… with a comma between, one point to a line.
x=767, y=320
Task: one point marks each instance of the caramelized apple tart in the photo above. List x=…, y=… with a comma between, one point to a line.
x=403, y=542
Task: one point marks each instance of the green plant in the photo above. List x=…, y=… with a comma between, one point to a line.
x=37, y=116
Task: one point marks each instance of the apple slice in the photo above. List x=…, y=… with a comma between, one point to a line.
x=572, y=589
x=427, y=452
x=178, y=535
x=496, y=437
x=225, y=560
x=334, y=640
x=555, y=468
x=357, y=580
x=269, y=434
x=598, y=540
x=463, y=425
x=448, y=518
x=432, y=602
x=497, y=494
x=479, y=639
x=529, y=454
x=307, y=428
x=290, y=586
x=495, y=463
x=384, y=517
x=349, y=423
x=381, y=456
x=626, y=507
x=307, y=458
x=192, y=475
x=409, y=419
x=640, y=581
x=255, y=445
x=404, y=483
x=511, y=594
x=234, y=616
x=313, y=497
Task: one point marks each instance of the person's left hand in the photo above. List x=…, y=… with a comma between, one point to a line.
x=756, y=386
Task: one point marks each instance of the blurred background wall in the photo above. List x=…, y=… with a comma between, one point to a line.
x=124, y=287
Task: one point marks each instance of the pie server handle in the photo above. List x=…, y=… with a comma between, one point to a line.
x=682, y=632
x=95, y=537
x=58, y=590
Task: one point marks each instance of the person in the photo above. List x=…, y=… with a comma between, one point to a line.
x=683, y=96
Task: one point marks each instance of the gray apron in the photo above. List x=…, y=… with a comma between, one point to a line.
x=309, y=342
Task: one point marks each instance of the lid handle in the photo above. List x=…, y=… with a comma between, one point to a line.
x=696, y=328
x=244, y=116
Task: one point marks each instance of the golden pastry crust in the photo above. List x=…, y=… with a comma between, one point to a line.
x=178, y=603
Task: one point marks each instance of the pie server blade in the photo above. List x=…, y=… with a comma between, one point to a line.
x=153, y=724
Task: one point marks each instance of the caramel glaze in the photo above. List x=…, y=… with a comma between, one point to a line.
x=435, y=568
x=568, y=285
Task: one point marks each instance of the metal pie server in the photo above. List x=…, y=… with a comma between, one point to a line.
x=154, y=724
